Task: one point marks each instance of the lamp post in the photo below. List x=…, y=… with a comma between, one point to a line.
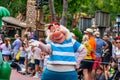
x=118, y=22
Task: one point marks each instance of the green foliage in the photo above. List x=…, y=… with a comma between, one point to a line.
x=14, y=6
x=74, y=6
x=78, y=34
x=3, y=12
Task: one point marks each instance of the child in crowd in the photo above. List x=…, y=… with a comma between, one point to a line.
x=99, y=74
x=31, y=65
x=113, y=68
x=37, y=56
x=23, y=55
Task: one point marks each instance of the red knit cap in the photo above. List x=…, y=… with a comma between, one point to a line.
x=52, y=24
x=117, y=38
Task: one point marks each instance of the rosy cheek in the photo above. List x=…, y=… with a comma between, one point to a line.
x=51, y=36
x=63, y=31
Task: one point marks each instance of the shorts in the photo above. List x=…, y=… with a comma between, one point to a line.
x=32, y=65
x=53, y=75
x=37, y=62
x=97, y=63
x=106, y=59
x=21, y=60
x=87, y=64
x=6, y=55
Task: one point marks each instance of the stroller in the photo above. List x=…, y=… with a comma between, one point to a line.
x=14, y=64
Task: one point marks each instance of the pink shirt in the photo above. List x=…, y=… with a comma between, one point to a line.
x=37, y=53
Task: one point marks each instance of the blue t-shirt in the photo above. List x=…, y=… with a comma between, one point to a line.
x=99, y=44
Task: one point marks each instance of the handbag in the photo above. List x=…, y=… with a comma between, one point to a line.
x=18, y=55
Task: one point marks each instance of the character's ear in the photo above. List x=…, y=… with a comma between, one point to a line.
x=68, y=33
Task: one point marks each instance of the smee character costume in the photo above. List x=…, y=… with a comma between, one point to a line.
x=62, y=48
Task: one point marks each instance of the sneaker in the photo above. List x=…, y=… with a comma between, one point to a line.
x=36, y=76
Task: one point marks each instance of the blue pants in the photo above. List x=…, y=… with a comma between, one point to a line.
x=53, y=75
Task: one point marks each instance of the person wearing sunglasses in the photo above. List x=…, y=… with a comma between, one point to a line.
x=117, y=51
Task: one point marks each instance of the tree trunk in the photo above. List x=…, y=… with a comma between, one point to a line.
x=52, y=10
x=64, y=13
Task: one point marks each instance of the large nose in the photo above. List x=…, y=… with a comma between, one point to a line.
x=57, y=33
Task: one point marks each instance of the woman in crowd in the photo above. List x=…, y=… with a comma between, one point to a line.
x=106, y=56
x=6, y=50
x=117, y=51
x=23, y=54
x=87, y=63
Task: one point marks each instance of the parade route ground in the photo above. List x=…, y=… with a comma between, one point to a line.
x=17, y=76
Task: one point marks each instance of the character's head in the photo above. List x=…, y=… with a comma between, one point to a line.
x=57, y=33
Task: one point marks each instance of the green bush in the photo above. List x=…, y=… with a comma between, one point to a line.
x=78, y=34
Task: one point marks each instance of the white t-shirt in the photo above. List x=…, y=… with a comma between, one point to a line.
x=6, y=50
x=117, y=52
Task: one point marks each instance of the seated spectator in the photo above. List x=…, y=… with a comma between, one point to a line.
x=99, y=74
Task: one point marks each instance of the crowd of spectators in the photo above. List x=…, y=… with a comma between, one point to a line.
x=32, y=60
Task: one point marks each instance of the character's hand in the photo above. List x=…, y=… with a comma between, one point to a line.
x=77, y=67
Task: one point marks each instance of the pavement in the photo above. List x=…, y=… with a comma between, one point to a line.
x=17, y=76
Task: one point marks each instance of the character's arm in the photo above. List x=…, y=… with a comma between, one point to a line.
x=82, y=51
x=45, y=47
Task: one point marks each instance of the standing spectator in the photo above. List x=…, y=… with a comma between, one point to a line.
x=87, y=63
x=37, y=56
x=100, y=45
x=31, y=65
x=6, y=50
x=23, y=54
x=92, y=43
x=16, y=44
x=117, y=51
x=107, y=54
x=29, y=61
x=114, y=47
x=95, y=28
x=27, y=33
